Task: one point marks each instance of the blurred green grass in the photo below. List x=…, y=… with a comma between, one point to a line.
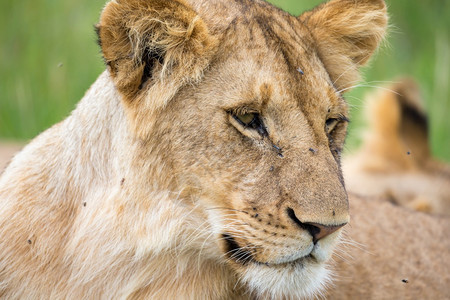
x=49, y=58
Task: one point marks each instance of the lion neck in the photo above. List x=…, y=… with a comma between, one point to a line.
x=135, y=163
x=100, y=146
x=96, y=171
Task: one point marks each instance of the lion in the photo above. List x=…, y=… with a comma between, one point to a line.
x=395, y=160
x=203, y=163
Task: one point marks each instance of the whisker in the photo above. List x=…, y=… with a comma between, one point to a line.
x=371, y=86
x=226, y=208
x=350, y=68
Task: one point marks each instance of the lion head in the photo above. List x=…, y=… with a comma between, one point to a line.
x=241, y=104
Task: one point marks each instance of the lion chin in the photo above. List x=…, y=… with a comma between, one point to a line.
x=297, y=280
x=302, y=278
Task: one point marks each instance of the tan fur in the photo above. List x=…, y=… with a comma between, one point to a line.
x=395, y=161
x=343, y=38
x=166, y=37
x=152, y=189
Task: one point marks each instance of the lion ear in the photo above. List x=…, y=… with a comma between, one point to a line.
x=398, y=116
x=146, y=43
x=347, y=33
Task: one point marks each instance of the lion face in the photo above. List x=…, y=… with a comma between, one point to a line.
x=250, y=120
x=264, y=158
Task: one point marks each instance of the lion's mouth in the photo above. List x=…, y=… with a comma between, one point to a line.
x=243, y=256
x=236, y=252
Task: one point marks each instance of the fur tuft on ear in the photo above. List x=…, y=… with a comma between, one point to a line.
x=148, y=42
x=347, y=33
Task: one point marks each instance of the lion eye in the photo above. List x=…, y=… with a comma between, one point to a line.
x=330, y=124
x=251, y=121
x=246, y=119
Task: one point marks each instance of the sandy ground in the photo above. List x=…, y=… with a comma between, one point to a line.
x=7, y=151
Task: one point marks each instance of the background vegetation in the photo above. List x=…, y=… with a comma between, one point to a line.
x=49, y=57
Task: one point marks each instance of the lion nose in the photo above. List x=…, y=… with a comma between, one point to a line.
x=317, y=230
